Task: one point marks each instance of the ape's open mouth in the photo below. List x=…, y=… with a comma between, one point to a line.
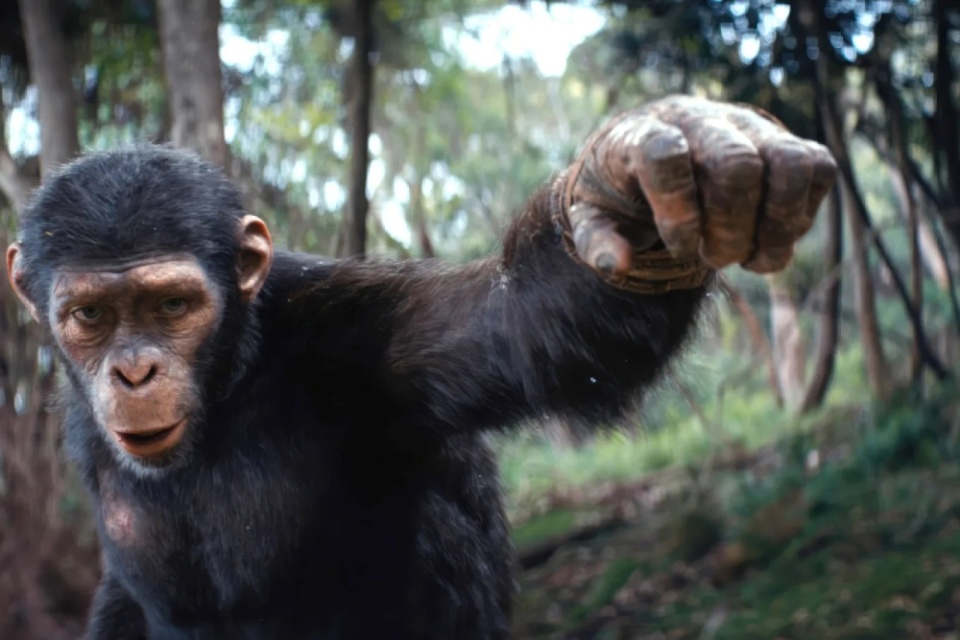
x=151, y=442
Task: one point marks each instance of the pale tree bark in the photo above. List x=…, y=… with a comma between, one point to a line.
x=417, y=212
x=420, y=161
x=50, y=58
x=865, y=233
x=761, y=345
x=932, y=249
x=15, y=182
x=875, y=360
x=862, y=227
x=908, y=209
x=878, y=374
x=827, y=306
x=929, y=251
x=353, y=230
x=191, y=57
x=903, y=184
x=789, y=351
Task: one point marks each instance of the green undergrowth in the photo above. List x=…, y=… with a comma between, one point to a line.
x=735, y=408
x=866, y=545
x=532, y=467
x=549, y=525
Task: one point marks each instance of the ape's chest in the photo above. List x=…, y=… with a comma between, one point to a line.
x=213, y=548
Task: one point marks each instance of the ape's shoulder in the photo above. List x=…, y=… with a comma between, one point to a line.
x=314, y=305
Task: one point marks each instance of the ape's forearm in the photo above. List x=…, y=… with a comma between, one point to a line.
x=531, y=333
x=526, y=333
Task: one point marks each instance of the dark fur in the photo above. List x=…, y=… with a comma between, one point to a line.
x=338, y=486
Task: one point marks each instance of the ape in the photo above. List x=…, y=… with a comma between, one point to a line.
x=282, y=447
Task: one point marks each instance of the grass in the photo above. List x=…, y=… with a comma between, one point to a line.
x=544, y=527
x=875, y=552
x=665, y=434
x=734, y=398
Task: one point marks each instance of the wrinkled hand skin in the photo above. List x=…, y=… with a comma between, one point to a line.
x=718, y=183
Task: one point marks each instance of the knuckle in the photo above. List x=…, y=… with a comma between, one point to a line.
x=824, y=164
x=665, y=145
x=790, y=156
x=819, y=151
x=826, y=170
x=739, y=179
x=791, y=177
x=680, y=238
x=634, y=132
x=733, y=161
x=732, y=241
x=679, y=222
x=746, y=166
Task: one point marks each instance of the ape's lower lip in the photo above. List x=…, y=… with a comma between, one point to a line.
x=147, y=443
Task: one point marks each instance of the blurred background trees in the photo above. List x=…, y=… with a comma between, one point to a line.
x=405, y=128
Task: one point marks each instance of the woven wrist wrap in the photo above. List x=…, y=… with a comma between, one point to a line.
x=653, y=271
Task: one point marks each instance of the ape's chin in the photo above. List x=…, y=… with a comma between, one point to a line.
x=169, y=449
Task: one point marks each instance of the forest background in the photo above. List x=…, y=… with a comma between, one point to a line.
x=795, y=474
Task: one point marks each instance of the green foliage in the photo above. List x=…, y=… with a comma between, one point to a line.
x=862, y=545
x=692, y=534
x=605, y=587
x=549, y=525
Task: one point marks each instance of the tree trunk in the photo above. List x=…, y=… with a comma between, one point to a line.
x=948, y=132
x=828, y=306
x=420, y=218
x=29, y=435
x=903, y=184
x=788, y=348
x=761, y=345
x=863, y=226
x=191, y=57
x=933, y=260
x=908, y=208
x=878, y=370
x=51, y=59
x=353, y=231
x=420, y=163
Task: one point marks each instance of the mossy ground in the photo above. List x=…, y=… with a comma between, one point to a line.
x=865, y=545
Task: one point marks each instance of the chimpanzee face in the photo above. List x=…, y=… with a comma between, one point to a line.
x=132, y=337
x=132, y=324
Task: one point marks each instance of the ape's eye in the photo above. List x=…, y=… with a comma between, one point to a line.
x=88, y=313
x=173, y=306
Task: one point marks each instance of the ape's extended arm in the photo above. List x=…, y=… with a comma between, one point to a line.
x=599, y=278
x=526, y=333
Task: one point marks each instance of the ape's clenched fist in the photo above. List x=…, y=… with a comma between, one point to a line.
x=668, y=191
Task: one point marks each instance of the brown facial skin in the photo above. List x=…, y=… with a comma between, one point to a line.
x=133, y=334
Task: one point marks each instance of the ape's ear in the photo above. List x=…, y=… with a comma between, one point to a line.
x=17, y=276
x=256, y=256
